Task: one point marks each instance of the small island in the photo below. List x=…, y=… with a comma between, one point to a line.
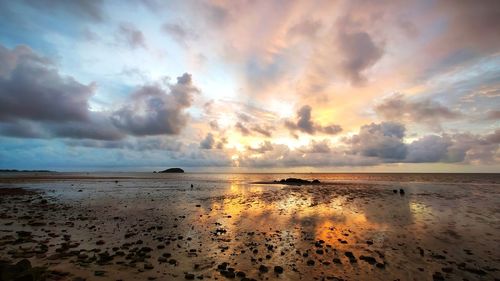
x=172, y=170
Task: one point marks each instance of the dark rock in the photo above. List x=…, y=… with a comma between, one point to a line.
x=297, y=181
x=350, y=255
x=263, y=268
x=173, y=170
x=278, y=269
x=447, y=269
x=99, y=273
x=401, y=191
x=437, y=276
x=368, y=259
x=228, y=274
x=189, y=276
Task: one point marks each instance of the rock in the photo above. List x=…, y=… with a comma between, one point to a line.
x=401, y=191
x=447, y=269
x=99, y=273
x=437, y=276
x=395, y=191
x=296, y=181
x=228, y=274
x=310, y=262
x=278, y=269
x=189, y=276
x=368, y=259
x=173, y=170
x=263, y=268
x=351, y=257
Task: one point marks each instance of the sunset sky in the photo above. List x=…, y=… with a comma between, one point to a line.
x=264, y=86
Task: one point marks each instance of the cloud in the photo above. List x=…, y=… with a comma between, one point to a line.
x=131, y=35
x=142, y=144
x=431, y=148
x=179, y=32
x=37, y=102
x=319, y=147
x=208, y=142
x=306, y=125
x=397, y=107
x=493, y=115
x=98, y=127
x=383, y=140
x=242, y=129
x=265, y=131
x=359, y=53
x=474, y=149
x=88, y=9
x=262, y=148
x=154, y=110
x=214, y=125
x=31, y=89
x=21, y=129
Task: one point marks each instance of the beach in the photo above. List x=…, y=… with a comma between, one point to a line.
x=144, y=226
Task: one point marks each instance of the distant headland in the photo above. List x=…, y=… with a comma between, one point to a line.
x=24, y=171
x=172, y=170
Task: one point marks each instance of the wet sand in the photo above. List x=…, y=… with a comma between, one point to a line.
x=95, y=227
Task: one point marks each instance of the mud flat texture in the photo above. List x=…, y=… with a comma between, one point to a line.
x=225, y=227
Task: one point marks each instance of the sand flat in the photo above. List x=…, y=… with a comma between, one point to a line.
x=351, y=227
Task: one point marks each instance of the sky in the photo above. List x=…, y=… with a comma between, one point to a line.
x=250, y=86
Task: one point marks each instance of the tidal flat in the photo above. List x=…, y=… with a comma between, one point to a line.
x=141, y=226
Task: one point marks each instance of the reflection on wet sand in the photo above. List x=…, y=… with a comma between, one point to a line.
x=349, y=230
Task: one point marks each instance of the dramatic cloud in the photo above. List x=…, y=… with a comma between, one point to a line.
x=37, y=102
x=306, y=125
x=98, y=127
x=384, y=140
x=397, y=107
x=131, y=35
x=429, y=148
x=94, y=79
x=155, y=110
x=31, y=88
